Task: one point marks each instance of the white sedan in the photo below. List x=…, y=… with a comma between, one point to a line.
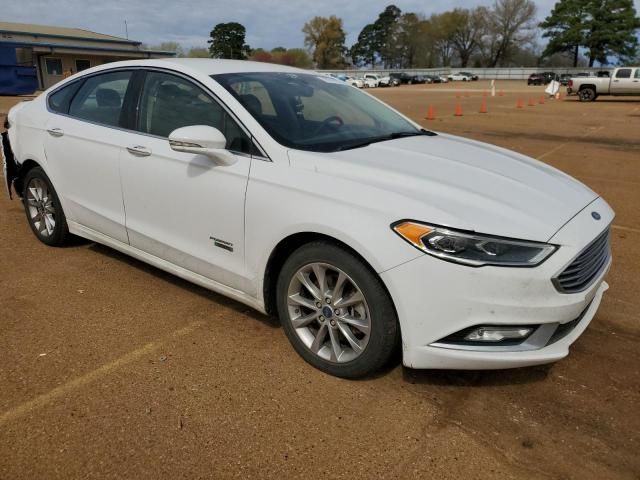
x=305, y=198
x=459, y=77
x=355, y=82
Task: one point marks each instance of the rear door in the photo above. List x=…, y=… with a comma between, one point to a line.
x=622, y=83
x=83, y=146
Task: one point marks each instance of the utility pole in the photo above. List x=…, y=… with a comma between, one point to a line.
x=126, y=29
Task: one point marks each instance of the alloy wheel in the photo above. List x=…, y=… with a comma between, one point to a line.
x=42, y=213
x=329, y=312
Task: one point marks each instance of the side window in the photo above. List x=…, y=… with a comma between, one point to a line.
x=59, y=100
x=624, y=73
x=169, y=102
x=100, y=98
x=637, y=74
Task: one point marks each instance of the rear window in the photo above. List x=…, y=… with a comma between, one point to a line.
x=59, y=100
x=101, y=97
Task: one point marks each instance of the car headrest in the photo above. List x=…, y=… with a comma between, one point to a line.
x=107, y=97
x=252, y=103
x=168, y=91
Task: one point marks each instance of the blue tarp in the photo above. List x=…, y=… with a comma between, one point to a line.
x=15, y=79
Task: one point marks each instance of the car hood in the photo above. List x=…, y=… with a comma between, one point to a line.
x=460, y=183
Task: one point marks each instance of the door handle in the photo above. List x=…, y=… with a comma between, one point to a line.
x=139, y=151
x=55, y=132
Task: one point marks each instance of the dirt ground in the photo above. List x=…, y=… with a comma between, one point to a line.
x=112, y=369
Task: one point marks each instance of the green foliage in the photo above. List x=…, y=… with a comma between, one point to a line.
x=365, y=50
x=605, y=28
x=227, y=41
x=324, y=37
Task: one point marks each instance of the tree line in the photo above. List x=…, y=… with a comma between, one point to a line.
x=501, y=35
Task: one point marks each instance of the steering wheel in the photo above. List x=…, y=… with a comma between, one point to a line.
x=328, y=121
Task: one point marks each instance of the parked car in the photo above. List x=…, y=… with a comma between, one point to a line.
x=432, y=79
x=302, y=197
x=389, y=82
x=564, y=79
x=443, y=79
x=625, y=81
x=371, y=80
x=549, y=77
x=355, y=82
x=470, y=75
x=402, y=78
x=456, y=77
x=535, y=79
x=419, y=79
x=603, y=73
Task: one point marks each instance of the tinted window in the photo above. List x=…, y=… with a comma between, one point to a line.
x=100, y=98
x=59, y=100
x=637, y=75
x=82, y=65
x=169, y=102
x=624, y=73
x=54, y=66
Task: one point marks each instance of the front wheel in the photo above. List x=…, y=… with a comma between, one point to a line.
x=43, y=209
x=335, y=311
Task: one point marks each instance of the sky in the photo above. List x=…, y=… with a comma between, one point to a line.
x=269, y=23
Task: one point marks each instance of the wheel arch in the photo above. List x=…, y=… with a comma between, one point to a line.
x=280, y=253
x=25, y=168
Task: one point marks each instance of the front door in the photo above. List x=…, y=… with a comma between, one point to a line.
x=183, y=207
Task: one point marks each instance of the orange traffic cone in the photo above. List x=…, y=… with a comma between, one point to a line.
x=520, y=103
x=431, y=114
x=483, y=106
x=541, y=101
x=531, y=102
x=458, y=110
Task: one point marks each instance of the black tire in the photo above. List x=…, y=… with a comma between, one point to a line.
x=384, y=335
x=587, y=94
x=59, y=234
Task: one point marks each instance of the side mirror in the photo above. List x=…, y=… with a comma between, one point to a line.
x=202, y=140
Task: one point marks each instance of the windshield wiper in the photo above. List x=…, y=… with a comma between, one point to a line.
x=392, y=136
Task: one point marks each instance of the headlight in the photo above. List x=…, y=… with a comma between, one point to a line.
x=472, y=249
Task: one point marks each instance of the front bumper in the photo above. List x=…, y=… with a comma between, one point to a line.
x=435, y=299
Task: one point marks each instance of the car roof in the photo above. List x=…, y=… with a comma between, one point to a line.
x=207, y=66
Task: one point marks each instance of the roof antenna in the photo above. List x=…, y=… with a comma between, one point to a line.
x=126, y=29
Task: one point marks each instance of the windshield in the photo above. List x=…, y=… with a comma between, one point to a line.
x=315, y=112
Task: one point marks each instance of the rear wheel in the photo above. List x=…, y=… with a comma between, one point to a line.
x=43, y=209
x=335, y=311
x=587, y=94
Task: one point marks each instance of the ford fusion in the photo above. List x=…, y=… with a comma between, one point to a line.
x=303, y=197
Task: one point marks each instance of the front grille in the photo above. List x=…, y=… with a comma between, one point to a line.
x=586, y=267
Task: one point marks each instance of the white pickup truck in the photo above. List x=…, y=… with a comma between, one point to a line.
x=624, y=81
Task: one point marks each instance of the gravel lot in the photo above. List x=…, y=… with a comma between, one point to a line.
x=110, y=368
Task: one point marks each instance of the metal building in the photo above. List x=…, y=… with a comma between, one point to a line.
x=56, y=52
